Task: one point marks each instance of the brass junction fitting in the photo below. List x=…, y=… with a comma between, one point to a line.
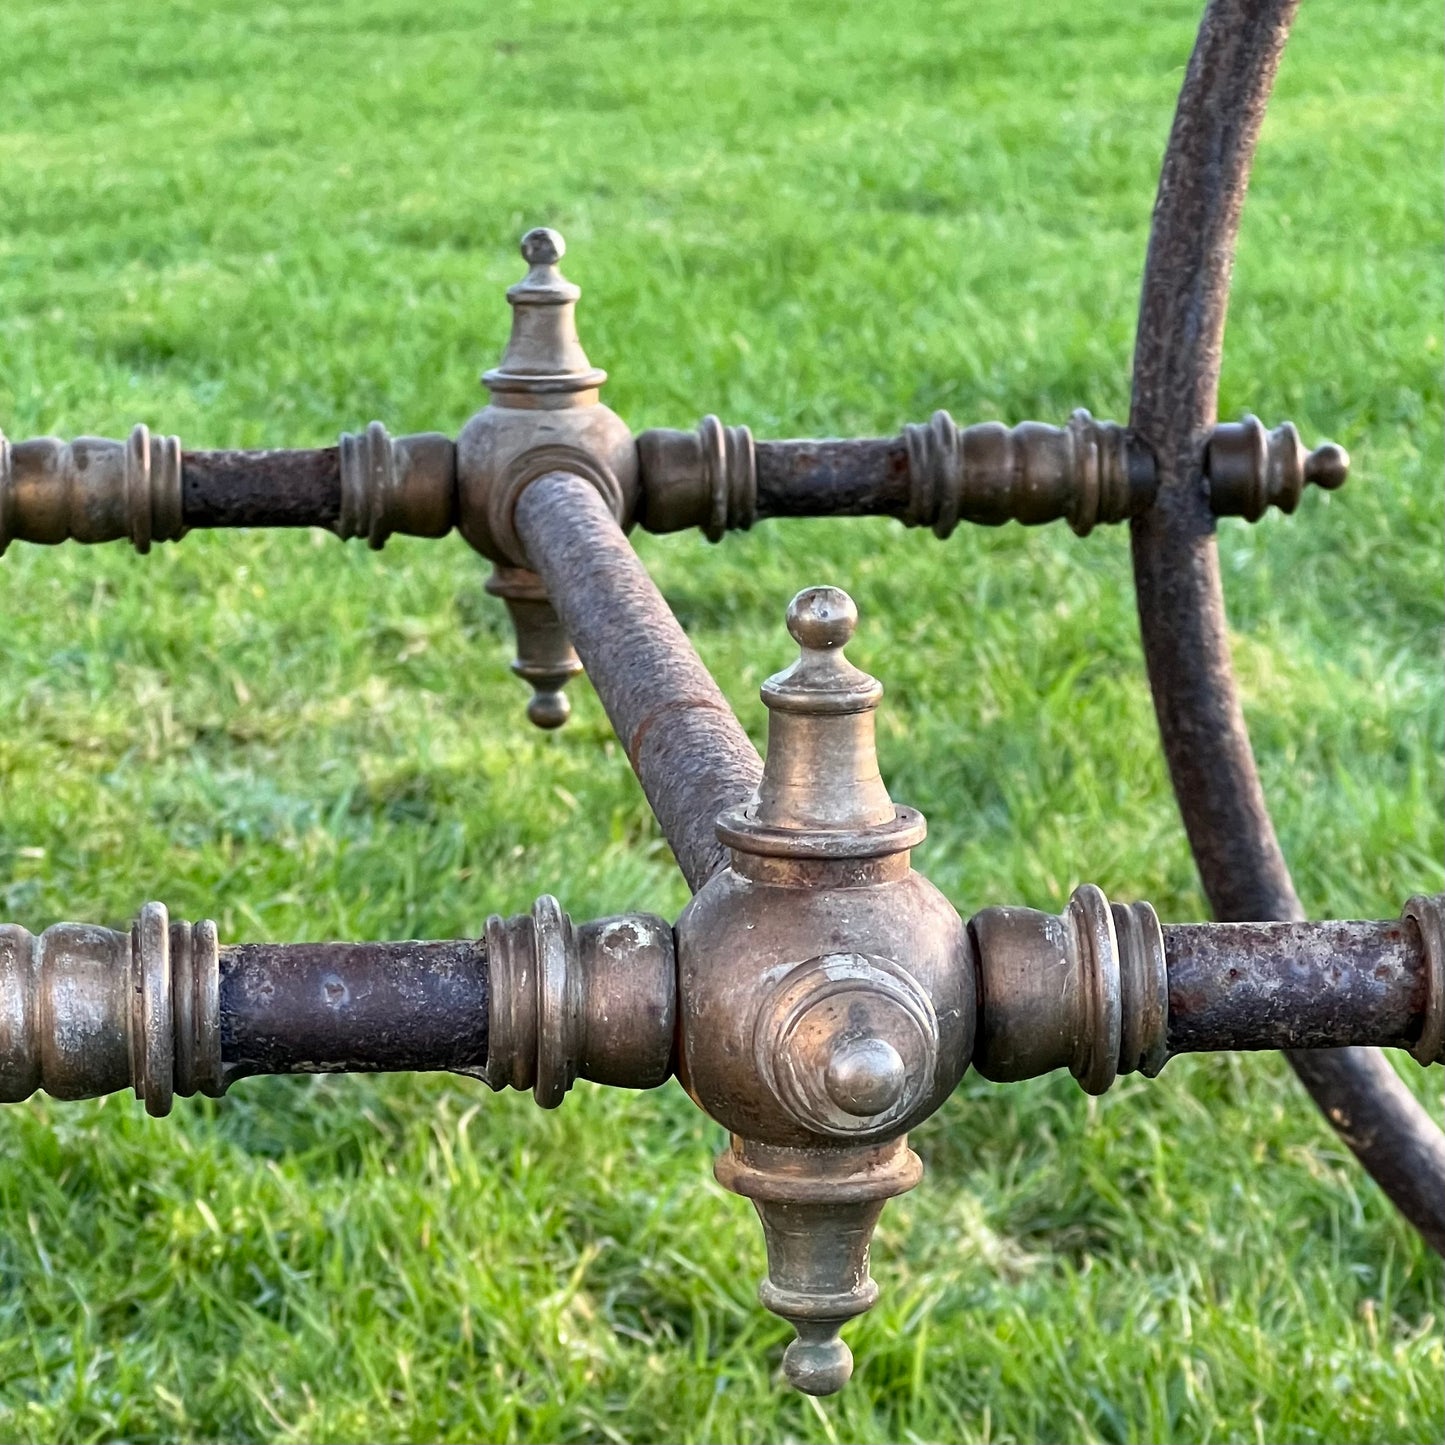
x=826, y=993
x=85, y=1011
x=544, y=416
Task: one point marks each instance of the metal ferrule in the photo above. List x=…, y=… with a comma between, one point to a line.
x=596, y=1001
x=705, y=478
x=396, y=484
x=1085, y=990
x=85, y=1011
x=91, y=490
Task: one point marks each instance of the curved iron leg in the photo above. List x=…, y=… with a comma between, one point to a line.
x=1176, y=568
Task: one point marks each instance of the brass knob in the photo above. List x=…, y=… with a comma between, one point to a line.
x=1251, y=469
x=848, y=1044
x=865, y=1077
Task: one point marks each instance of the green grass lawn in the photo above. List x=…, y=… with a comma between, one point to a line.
x=259, y=224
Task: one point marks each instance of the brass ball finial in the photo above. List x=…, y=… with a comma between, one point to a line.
x=542, y=246
x=1251, y=469
x=821, y=619
x=1328, y=466
x=548, y=709
x=818, y=1362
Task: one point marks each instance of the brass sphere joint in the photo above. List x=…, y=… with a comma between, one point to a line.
x=826, y=992
x=544, y=416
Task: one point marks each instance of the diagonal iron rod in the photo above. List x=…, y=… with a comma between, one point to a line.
x=688, y=750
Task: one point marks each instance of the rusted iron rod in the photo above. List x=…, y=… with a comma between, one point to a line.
x=864, y=478
x=313, y=1008
x=146, y=489
x=261, y=488
x=537, y=1002
x=937, y=474
x=688, y=750
x=1294, y=985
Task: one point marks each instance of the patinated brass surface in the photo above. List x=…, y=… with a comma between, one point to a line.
x=85, y=1011
x=396, y=484
x=826, y=992
x=1251, y=469
x=544, y=415
x=91, y=490
x=1085, y=990
x=597, y=1001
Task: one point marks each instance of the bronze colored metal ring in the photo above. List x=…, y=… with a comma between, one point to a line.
x=935, y=474
x=542, y=461
x=368, y=484
x=715, y=464
x=737, y=829
x=512, y=1008
x=196, y=994
x=153, y=1039
x=152, y=488
x=1096, y=1062
x=1143, y=989
x=557, y=1003
x=1428, y=915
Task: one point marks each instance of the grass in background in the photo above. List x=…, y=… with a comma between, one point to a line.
x=260, y=224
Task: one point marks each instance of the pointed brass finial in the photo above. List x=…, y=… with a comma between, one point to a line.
x=544, y=416
x=818, y=1209
x=545, y=657
x=543, y=355
x=822, y=763
x=821, y=794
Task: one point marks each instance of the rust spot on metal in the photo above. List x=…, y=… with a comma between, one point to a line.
x=653, y=717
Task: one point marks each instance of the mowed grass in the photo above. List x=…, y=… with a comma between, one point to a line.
x=257, y=224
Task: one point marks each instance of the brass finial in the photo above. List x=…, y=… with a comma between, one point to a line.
x=1251, y=469
x=544, y=358
x=825, y=993
x=821, y=794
